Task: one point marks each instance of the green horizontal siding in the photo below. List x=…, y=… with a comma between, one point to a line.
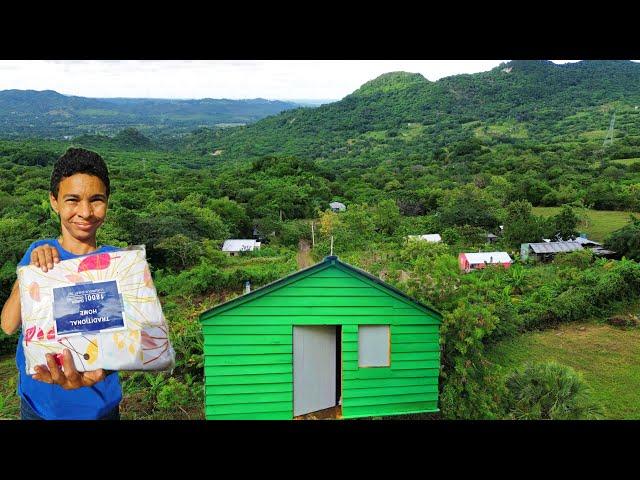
x=288, y=311
x=249, y=352
x=416, y=347
x=332, y=273
x=410, y=383
x=366, y=383
x=384, y=392
x=249, y=388
x=389, y=373
x=317, y=282
x=242, y=329
x=266, y=359
x=432, y=346
x=246, y=349
x=396, y=329
x=315, y=301
x=246, y=408
x=399, y=365
x=248, y=340
x=239, y=379
x=400, y=338
x=275, y=317
x=391, y=399
x=248, y=398
x=284, y=415
x=327, y=292
x=248, y=369
x=389, y=409
x=397, y=357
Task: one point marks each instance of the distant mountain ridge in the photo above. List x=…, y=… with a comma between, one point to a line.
x=51, y=114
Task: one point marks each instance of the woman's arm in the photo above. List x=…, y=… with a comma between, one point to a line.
x=11, y=311
x=45, y=257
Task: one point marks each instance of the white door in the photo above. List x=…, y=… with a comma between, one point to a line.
x=314, y=368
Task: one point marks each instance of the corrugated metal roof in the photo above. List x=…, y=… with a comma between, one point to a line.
x=555, y=247
x=339, y=205
x=586, y=241
x=488, y=257
x=240, y=245
x=603, y=251
x=429, y=237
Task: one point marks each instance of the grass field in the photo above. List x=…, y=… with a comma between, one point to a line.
x=626, y=161
x=9, y=402
x=607, y=357
x=597, y=224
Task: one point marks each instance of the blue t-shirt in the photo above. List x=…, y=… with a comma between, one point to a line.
x=51, y=401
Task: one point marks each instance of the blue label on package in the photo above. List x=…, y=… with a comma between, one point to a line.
x=88, y=307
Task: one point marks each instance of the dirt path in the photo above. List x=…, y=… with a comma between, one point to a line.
x=304, y=255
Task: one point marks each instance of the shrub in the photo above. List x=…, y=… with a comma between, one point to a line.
x=626, y=241
x=623, y=321
x=549, y=391
x=580, y=258
x=173, y=394
x=471, y=384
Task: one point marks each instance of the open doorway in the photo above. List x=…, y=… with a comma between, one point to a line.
x=317, y=371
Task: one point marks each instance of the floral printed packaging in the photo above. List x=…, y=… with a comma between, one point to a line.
x=103, y=307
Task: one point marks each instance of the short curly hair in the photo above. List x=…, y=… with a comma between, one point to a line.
x=79, y=160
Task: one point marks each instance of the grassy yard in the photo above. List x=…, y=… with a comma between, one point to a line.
x=9, y=402
x=597, y=224
x=607, y=357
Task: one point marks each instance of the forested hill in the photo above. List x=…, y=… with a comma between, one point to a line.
x=51, y=114
x=401, y=113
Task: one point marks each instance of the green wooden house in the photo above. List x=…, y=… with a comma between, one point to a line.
x=330, y=339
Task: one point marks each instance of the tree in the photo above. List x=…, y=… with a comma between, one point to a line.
x=566, y=223
x=469, y=205
x=386, y=216
x=180, y=251
x=626, y=241
x=521, y=226
x=329, y=221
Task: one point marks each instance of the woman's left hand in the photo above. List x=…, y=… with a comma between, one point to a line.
x=70, y=378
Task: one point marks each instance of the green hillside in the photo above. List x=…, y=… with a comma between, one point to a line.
x=514, y=102
x=50, y=114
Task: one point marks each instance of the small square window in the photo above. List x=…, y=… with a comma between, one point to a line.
x=374, y=346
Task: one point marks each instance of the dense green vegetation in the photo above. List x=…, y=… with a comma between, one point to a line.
x=459, y=157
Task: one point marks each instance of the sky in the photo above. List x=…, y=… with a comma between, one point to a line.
x=233, y=79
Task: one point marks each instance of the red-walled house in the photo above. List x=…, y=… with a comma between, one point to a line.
x=475, y=261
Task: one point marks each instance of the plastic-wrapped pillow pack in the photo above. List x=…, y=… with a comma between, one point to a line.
x=103, y=307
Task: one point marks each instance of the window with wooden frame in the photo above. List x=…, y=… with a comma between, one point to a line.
x=374, y=346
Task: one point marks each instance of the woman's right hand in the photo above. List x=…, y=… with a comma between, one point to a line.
x=45, y=256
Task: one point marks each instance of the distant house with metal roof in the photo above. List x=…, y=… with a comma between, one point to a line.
x=337, y=206
x=429, y=237
x=585, y=242
x=491, y=238
x=547, y=250
x=478, y=260
x=235, y=246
